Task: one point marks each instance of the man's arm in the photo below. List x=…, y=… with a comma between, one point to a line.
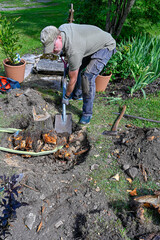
x=73, y=79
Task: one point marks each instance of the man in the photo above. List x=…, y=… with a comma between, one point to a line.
x=88, y=49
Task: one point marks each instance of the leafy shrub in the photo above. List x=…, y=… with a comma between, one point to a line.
x=113, y=65
x=9, y=38
x=90, y=12
x=94, y=12
x=138, y=58
x=9, y=204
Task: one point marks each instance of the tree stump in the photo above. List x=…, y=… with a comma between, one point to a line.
x=42, y=121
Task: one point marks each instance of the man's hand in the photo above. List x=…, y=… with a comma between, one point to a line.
x=65, y=100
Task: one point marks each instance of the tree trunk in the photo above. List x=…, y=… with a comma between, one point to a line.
x=108, y=22
x=42, y=121
x=114, y=25
x=121, y=21
x=117, y=14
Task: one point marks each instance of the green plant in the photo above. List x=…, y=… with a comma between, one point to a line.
x=9, y=204
x=113, y=65
x=95, y=12
x=142, y=81
x=145, y=67
x=137, y=58
x=9, y=38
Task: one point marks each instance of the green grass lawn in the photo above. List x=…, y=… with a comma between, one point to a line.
x=33, y=20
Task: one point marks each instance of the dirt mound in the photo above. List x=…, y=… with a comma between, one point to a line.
x=139, y=149
x=20, y=102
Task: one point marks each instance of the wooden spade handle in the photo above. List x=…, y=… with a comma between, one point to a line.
x=115, y=126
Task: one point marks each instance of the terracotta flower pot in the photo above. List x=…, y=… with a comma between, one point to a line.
x=15, y=72
x=102, y=82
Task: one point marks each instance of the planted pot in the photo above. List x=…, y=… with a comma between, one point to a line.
x=15, y=72
x=102, y=82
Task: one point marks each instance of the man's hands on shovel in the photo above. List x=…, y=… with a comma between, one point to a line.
x=65, y=100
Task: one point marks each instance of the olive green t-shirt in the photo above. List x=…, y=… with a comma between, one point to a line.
x=81, y=40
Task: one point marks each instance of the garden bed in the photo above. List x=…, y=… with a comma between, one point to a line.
x=119, y=88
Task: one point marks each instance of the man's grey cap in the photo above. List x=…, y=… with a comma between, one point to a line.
x=48, y=35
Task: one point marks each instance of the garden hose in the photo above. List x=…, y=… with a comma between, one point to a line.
x=35, y=154
x=9, y=130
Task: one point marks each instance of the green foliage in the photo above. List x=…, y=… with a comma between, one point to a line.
x=90, y=12
x=9, y=38
x=9, y=203
x=143, y=13
x=137, y=58
x=113, y=65
x=142, y=81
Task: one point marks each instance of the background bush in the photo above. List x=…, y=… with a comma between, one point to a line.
x=138, y=58
x=144, y=16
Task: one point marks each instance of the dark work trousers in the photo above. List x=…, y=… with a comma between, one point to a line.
x=89, y=70
x=77, y=92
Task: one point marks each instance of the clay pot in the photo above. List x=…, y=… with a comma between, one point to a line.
x=15, y=72
x=102, y=82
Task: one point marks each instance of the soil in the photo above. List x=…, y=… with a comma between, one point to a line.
x=59, y=200
x=139, y=148
x=14, y=64
x=120, y=88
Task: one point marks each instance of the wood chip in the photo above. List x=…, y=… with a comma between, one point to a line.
x=128, y=125
x=81, y=152
x=115, y=177
x=134, y=192
x=97, y=189
x=29, y=187
x=43, y=208
x=40, y=226
x=150, y=138
x=129, y=180
x=144, y=173
x=140, y=214
x=151, y=199
x=18, y=94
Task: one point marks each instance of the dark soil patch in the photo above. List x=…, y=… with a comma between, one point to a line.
x=72, y=209
x=139, y=148
x=120, y=88
x=14, y=64
x=138, y=154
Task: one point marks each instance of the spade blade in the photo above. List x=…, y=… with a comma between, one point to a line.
x=62, y=126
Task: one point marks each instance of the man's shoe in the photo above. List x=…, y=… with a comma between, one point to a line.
x=80, y=98
x=85, y=120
